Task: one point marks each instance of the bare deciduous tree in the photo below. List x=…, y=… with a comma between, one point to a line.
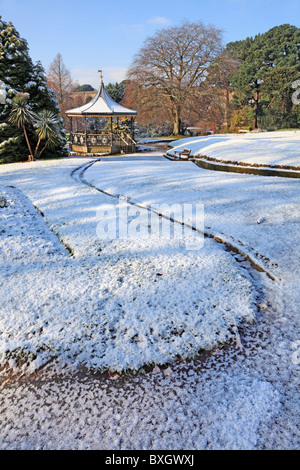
x=153, y=111
x=176, y=61
x=59, y=80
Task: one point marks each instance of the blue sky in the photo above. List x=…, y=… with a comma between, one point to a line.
x=97, y=34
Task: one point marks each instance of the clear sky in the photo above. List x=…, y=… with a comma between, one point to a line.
x=98, y=34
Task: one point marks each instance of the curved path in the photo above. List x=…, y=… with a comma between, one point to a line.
x=262, y=153
x=201, y=297
x=78, y=174
x=219, y=165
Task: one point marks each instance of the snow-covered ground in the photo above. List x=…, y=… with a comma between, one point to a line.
x=273, y=149
x=118, y=304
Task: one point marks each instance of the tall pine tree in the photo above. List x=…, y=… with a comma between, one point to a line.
x=260, y=58
x=20, y=75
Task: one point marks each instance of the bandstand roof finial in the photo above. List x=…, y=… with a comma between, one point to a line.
x=101, y=105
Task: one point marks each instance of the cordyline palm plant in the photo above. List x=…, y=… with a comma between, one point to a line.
x=45, y=125
x=46, y=129
x=20, y=117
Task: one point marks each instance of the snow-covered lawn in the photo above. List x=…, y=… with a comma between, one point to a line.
x=272, y=149
x=115, y=304
x=233, y=204
x=120, y=304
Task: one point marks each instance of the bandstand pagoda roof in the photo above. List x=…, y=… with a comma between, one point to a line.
x=101, y=105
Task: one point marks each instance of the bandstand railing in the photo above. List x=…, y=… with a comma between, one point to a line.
x=119, y=139
x=88, y=139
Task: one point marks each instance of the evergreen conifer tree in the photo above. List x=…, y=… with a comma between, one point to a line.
x=116, y=90
x=265, y=56
x=20, y=75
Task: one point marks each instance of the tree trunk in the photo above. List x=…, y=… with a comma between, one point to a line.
x=28, y=144
x=255, y=123
x=176, y=122
x=45, y=146
x=227, y=104
x=37, y=146
x=175, y=127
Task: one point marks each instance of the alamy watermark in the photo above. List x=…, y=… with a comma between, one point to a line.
x=296, y=94
x=296, y=355
x=126, y=221
x=2, y=92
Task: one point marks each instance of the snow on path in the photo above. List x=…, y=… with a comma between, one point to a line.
x=235, y=399
x=193, y=410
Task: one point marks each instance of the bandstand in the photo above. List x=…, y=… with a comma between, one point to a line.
x=101, y=126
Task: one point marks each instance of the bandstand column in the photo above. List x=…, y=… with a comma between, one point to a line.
x=111, y=130
x=85, y=130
